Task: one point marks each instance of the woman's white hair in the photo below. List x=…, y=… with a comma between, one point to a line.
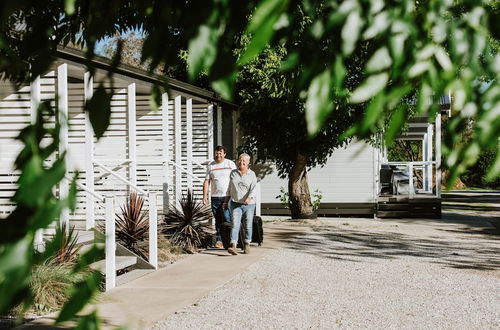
x=247, y=156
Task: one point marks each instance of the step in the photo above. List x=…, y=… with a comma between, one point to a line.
x=86, y=247
x=393, y=214
x=393, y=207
x=121, y=263
x=132, y=275
x=84, y=236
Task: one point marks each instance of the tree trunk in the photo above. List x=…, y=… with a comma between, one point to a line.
x=298, y=190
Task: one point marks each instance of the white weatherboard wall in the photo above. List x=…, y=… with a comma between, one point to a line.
x=349, y=176
x=15, y=114
x=113, y=150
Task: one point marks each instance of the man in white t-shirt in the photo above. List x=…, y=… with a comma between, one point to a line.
x=218, y=178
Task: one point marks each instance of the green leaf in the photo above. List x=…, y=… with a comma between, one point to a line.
x=494, y=170
x=89, y=322
x=94, y=254
x=339, y=73
x=380, y=24
x=99, y=109
x=72, y=193
x=155, y=97
x=69, y=7
x=202, y=50
x=418, y=69
x=319, y=102
x=261, y=27
x=424, y=95
x=35, y=184
x=396, y=46
x=80, y=296
x=369, y=88
x=290, y=62
x=379, y=61
x=372, y=115
x=350, y=32
x=15, y=262
x=395, y=125
x=47, y=213
x=225, y=86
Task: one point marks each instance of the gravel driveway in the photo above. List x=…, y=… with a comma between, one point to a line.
x=361, y=273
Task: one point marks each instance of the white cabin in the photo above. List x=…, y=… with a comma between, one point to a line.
x=158, y=153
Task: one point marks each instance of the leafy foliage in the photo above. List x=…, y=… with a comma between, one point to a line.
x=317, y=196
x=423, y=47
x=36, y=208
x=187, y=225
x=132, y=225
x=476, y=175
x=285, y=200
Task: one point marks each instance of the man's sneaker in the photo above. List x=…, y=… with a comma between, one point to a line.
x=232, y=249
x=219, y=245
x=246, y=248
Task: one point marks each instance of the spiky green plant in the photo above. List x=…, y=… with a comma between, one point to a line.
x=187, y=225
x=66, y=242
x=132, y=225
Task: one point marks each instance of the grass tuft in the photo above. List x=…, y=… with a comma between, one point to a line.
x=50, y=284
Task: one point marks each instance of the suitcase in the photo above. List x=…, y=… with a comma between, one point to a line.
x=257, y=232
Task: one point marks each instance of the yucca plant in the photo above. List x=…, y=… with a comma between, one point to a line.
x=66, y=244
x=132, y=225
x=187, y=225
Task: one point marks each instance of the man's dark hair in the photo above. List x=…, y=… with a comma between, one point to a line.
x=219, y=148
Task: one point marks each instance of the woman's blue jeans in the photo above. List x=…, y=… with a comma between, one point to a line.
x=238, y=211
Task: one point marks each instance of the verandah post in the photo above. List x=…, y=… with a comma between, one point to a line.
x=88, y=86
x=131, y=127
x=62, y=108
x=35, y=98
x=189, y=141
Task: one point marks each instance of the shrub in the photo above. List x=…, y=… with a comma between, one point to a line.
x=66, y=243
x=50, y=284
x=316, y=200
x=132, y=225
x=284, y=198
x=187, y=225
x=475, y=176
x=168, y=252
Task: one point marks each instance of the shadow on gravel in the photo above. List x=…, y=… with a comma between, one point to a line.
x=355, y=245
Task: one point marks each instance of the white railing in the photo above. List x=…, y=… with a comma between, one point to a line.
x=153, y=214
x=110, y=242
x=186, y=171
x=426, y=168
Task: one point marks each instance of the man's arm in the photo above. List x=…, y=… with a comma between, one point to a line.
x=206, y=183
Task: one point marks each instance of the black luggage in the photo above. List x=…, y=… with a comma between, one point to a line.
x=257, y=231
